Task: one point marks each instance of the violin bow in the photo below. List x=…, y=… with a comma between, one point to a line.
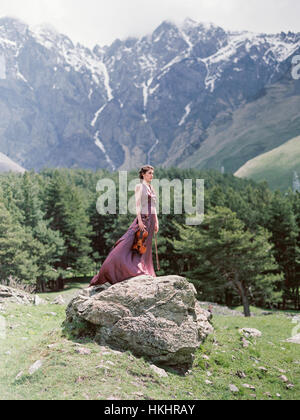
x=157, y=260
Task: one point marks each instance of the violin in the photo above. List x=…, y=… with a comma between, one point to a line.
x=139, y=242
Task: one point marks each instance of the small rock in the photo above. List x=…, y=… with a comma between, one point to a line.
x=59, y=301
x=38, y=301
x=205, y=357
x=208, y=373
x=83, y=351
x=284, y=379
x=138, y=394
x=36, y=366
x=295, y=339
x=102, y=367
x=245, y=343
x=19, y=375
x=189, y=372
x=241, y=374
x=160, y=372
x=262, y=368
x=267, y=394
x=249, y=387
x=233, y=388
x=208, y=382
x=278, y=395
x=250, y=332
x=290, y=386
x=50, y=346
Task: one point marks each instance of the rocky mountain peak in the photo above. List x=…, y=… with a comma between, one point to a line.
x=13, y=31
x=152, y=99
x=50, y=38
x=13, y=24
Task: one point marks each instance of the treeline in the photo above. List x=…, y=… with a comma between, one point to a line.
x=247, y=250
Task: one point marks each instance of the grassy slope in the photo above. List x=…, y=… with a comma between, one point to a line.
x=6, y=165
x=68, y=375
x=276, y=167
x=253, y=129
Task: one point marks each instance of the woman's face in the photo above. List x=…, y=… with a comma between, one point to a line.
x=149, y=175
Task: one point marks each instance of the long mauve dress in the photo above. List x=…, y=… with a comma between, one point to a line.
x=122, y=263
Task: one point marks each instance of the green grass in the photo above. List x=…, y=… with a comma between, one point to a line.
x=276, y=167
x=67, y=375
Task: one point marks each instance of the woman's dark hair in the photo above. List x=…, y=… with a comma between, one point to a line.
x=144, y=170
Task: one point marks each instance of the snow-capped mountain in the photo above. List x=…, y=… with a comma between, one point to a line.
x=157, y=99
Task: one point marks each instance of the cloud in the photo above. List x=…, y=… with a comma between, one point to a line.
x=102, y=21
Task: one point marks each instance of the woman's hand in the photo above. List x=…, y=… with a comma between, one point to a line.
x=156, y=228
x=142, y=226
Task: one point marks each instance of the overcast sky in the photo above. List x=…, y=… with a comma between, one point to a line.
x=102, y=21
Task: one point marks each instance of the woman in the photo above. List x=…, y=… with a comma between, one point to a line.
x=122, y=263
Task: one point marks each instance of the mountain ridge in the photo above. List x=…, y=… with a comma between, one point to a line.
x=140, y=100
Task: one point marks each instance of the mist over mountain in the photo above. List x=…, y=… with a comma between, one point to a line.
x=189, y=95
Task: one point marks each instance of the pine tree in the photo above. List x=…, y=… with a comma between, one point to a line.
x=67, y=211
x=46, y=245
x=15, y=260
x=296, y=182
x=285, y=231
x=223, y=253
x=31, y=204
x=294, y=198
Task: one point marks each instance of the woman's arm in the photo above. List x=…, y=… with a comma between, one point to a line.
x=138, y=202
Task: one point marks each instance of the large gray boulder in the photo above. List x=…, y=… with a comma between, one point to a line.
x=158, y=318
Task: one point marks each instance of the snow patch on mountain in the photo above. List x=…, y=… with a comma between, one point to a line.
x=102, y=67
x=97, y=115
x=99, y=144
x=187, y=113
x=151, y=150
